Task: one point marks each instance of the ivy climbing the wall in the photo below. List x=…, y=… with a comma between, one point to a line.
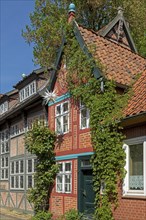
x=40, y=141
x=105, y=104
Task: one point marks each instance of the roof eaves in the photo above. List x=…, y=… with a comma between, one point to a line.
x=54, y=72
x=134, y=119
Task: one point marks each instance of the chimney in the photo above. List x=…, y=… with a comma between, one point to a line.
x=71, y=12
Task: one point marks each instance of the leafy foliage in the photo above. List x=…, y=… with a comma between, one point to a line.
x=105, y=114
x=49, y=22
x=41, y=141
x=42, y=216
x=73, y=214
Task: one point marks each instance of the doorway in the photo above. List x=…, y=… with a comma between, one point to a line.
x=86, y=194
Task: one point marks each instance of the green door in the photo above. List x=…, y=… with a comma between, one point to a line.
x=86, y=193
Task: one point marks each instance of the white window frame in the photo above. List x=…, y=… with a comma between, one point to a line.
x=28, y=173
x=40, y=119
x=127, y=143
x=83, y=107
x=4, y=142
x=16, y=175
x=61, y=116
x=63, y=173
x=3, y=107
x=17, y=129
x=27, y=91
x=4, y=167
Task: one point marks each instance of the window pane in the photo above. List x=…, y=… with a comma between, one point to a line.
x=136, y=180
x=58, y=110
x=3, y=163
x=12, y=167
x=65, y=107
x=2, y=136
x=35, y=165
x=29, y=166
x=21, y=181
x=3, y=174
x=6, y=163
x=65, y=123
x=17, y=166
x=59, y=183
x=21, y=166
x=3, y=147
x=67, y=167
x=12, y=181
x=6, y=173
x=58, y=124
x=16, y=181
x=67, y=183
x=7, y=146
x=60, y=167
x=29, y=183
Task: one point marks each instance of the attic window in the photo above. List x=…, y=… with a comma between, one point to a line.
x=3, y=108
x=27, y=91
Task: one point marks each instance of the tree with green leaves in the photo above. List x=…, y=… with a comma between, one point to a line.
x=49, y=21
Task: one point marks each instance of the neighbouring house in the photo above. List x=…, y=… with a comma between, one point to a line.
x=73, y=187
x=132, y=195
x=19, y=108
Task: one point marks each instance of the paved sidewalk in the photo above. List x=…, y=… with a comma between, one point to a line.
x=8, y=214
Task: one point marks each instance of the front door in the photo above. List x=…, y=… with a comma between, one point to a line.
x=86, y=193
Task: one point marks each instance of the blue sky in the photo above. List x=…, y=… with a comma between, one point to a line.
x=16, y=56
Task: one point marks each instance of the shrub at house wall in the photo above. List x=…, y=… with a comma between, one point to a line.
x=40, y=141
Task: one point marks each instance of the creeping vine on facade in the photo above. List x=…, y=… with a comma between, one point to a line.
x=105, y=106
x=40, y=141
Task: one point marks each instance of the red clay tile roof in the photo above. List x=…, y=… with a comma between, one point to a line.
x=121, y=64
x=137, y=103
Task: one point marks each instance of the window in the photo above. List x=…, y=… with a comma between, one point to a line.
x=31, y=164
x=4, y=167
x=62, y=118
x=84, y=116
x=17, y=129
x=135, y=181
x=27, y=91
x=3, y=107
x=40, y=119
x=17, y=174
x=4, y=141
x=64, y=178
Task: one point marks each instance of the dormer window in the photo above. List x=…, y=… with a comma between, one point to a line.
x=27, y=91
x=3, y=107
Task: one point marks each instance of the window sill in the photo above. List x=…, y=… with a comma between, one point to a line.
x=139, y=197
x=83, y=130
